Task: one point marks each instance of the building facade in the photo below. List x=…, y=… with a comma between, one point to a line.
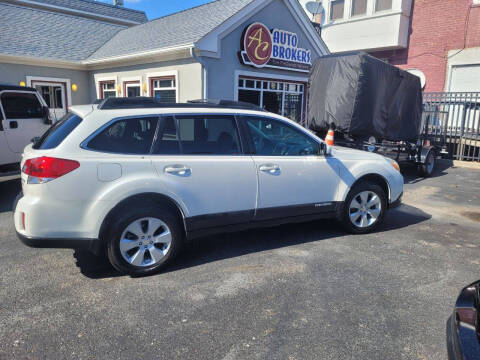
x=258, y=51
x=437, y=40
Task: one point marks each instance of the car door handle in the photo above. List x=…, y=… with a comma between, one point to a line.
x=270, y=168
x=181, y=170
x=13, y=125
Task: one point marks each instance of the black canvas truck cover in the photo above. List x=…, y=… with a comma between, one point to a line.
x=364, y=96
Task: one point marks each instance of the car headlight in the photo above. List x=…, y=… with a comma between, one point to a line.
x=393, y=163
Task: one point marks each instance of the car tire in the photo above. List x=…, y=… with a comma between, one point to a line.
x=371, y=202
x=151, y=232
x=426, y=169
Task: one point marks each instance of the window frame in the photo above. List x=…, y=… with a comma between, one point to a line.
x=237, y=127
x=251, y=145
x=131, y=83
x=282, y=88
x=352, y=7
x=330, y=12
x=243, y=145
x=151, y=81
x=84, y=143
x=381, y=11
x=101, y=90
x=2, y=110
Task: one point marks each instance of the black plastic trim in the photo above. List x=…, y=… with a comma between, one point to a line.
x=193, y=234
x=295, y=210
x=92, y=245
x=143, y=102
x=219, y=219
x=396, y=203
x=203, y=225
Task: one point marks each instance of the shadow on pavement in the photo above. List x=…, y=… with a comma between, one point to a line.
x=8, y=192
x=220, y=247
x=411, y=176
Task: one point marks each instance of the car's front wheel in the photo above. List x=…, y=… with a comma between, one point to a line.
x=364, y=208
x=144, y=240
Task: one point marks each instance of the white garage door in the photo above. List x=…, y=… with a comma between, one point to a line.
x=465, y=78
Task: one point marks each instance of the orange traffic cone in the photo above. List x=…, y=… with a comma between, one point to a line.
x=329, y=137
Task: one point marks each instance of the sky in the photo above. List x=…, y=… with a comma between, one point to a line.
x=158, y=8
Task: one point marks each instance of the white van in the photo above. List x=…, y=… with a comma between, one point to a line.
x=23, y=116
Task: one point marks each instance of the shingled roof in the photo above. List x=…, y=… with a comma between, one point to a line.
x=98, y=8
x=181, y=28
x=50, y=35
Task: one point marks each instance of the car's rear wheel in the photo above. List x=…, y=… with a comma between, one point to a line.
x=364, y=208
x=144, y=241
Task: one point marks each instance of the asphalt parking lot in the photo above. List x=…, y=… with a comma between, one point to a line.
x=304, y=291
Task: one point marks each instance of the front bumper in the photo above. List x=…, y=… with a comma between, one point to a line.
x=396, y=203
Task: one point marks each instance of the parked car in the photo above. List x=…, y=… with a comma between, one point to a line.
x=463, y=327
x=23, y=116
x=136, y=178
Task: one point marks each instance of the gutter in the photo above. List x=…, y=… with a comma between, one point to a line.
x=204, y=73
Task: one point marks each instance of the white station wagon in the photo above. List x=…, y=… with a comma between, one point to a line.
x=136, y=178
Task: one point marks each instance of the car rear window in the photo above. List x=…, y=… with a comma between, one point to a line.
x=58, y=132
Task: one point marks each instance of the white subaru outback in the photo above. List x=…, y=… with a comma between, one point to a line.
x=136, y=178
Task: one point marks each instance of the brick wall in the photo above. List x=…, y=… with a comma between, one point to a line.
x=436, y=27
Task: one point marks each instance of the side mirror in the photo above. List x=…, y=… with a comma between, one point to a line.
x=46, y=116
x=35, y=140
x=323, y=149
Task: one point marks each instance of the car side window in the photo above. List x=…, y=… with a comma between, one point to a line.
x=126, y=136
x=198, y=135
x=274, y=138
x=18, y=105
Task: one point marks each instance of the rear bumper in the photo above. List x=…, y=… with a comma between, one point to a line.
x=92, y=245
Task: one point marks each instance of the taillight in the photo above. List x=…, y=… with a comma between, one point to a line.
x=44, y=169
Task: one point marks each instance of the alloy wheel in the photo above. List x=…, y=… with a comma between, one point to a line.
x=364, y=209
x=145, y=242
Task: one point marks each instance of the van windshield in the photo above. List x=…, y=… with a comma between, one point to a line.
x=58, y=132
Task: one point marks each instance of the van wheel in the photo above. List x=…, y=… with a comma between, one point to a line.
x=364, y=208
x=144, y=240
x=426, y=169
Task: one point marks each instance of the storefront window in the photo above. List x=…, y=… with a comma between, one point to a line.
x=284, y=98
x=107, y=89
x=164, y=89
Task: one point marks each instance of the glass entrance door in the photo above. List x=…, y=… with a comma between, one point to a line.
x=132, y=89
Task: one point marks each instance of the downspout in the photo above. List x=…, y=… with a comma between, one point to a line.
x=204, y=74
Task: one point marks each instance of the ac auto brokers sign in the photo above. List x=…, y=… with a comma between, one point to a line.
x=276, y=49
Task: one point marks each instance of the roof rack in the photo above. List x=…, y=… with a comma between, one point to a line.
x=142, y=102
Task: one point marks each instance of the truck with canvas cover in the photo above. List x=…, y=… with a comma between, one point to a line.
x=371, y=105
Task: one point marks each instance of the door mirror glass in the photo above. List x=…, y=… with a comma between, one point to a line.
x=323, y=149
